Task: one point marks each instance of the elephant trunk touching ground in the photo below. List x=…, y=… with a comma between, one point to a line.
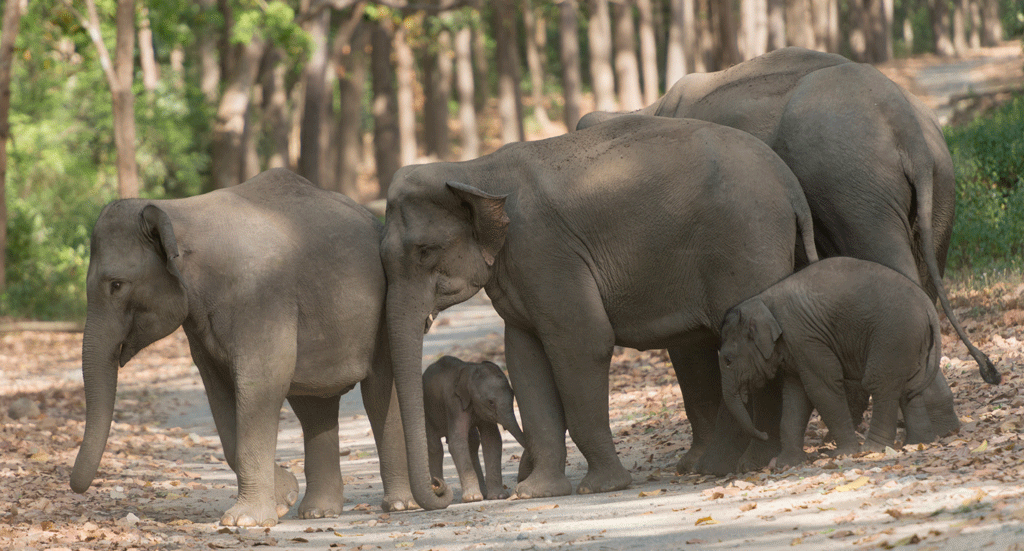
x=732, y=398
x=99, y=371
x=406, y=316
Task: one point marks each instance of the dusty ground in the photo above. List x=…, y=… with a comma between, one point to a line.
x=164, y=487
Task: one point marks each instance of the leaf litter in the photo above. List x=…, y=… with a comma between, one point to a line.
x=147, y=497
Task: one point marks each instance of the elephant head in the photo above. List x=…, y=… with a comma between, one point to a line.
x=486, y=390
x=747, y=357
x=135, y=297
x=440, y=242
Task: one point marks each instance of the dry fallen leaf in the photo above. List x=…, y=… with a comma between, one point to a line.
x=705, y=521
x=860, y=482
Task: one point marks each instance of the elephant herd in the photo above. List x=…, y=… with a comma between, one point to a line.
x=695, y=225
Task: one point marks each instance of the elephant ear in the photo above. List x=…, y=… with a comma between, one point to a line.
x=462, y=385
x=156, y=225
x=487, y=214
x=764, y=328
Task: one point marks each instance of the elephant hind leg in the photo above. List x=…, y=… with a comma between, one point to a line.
x=324, y=487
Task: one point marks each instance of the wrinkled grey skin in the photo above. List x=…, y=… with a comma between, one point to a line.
x=641, y=232
x=280, y=290
x=465, y=403
x=870, y=157
x=836, y=320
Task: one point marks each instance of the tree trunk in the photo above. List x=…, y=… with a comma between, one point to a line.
x=627, y=70
x=754, y=18
x=405, y=78
x=466, y=91
x=11, y=24
x=437, y=87
x=799, y=31
x=385, y=123
x=147, y=57
x=599, y=35
x=229, y=128
x=675, y=48
x=120, y=73
x=960, y=27
x=209, y=67
x=858, y=35
x=648, y=52
x=992, y=26
x=536, y=37
x=883, y=29
x=351, y=71
x=820, y=20
x=510, y=102
x=275, y=107
x=314, y=105
x=974, y=12
x=776, y=24
x=703, y=56
x=725, y=33
x=940, y=28
x=569, y=54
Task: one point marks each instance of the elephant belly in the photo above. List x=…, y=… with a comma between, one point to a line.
x=327, y=374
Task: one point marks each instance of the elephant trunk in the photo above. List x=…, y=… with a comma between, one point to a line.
x=507, y=418
x=99, y=372
x=734, y=403
x=405, y=328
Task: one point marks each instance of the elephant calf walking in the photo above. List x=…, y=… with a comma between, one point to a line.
x=840, y=319
x=465, y=403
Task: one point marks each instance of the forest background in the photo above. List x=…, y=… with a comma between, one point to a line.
x=101, y=99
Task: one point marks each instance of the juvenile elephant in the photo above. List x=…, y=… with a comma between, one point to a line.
x=641, y=232
x=280, y=289
x=840, y=319
x=465, y=403
x=870, y=157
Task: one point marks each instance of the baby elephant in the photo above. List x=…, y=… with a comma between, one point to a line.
x=464, y=403
x=838, y=319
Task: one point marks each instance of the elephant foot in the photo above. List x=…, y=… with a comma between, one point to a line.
x=286, y=490
x=688, y=462
x=758, y=455
x=320, y=504
x=785, y=460
x=500, y=494
x=248, y=515
x=394, y=502
x=608, y=480
x=471, y=496
x=869, y=446
x=538, y=485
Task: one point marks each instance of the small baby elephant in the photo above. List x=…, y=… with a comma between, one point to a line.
x=464, y=403
x=838, y=319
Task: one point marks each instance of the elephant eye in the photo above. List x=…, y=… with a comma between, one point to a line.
x=115, y=286
x=428, y=253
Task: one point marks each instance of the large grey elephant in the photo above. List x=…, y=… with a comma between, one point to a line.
x=280, y=289
x=837, y=320
x=870, y=157
x=641, y=232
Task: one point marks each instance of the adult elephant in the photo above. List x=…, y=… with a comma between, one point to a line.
x=870, y=157
x=280, y=289
x=641, y=232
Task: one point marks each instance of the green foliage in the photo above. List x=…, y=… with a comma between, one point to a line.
x=988, y=156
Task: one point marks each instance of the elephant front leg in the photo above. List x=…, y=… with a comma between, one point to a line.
x=381, y=403
x=542, y=471
x=796, y=412
x=490, y=440
x=459, y=447
x=324, y=487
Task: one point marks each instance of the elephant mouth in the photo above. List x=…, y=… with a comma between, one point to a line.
x=430, y=321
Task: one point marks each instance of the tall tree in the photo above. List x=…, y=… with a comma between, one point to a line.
x=941, y=27
x=726, y=45
x=510, y=99
x=536, y=40
x=314, y=109
x=466, y=92
x=350, y=66
x=627, y=70
x=120, y=73
x=437, y=69
x=960, y=13
x=209, y=66
x=754, y=22
x=682, y=46
x=275, y=106
x=599, y=36
x=11, y=24
x=405, y=79
x=569, y=55
x=147, y=56
x=992, y=25
x=227, y=142
x=776, y=24
x=385, y=123
x=799, y=30
x=648, y=51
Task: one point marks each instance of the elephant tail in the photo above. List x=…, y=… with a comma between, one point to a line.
x=922, y=180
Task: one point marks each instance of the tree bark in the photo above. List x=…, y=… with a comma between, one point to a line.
x=992, y=26
x=405, y=77
x=754, y=20
x=799, y=30
x=209, y=67
x=569, y=54
x=314, y=105
x=275, y=107
x=648, y=51
x=940, y=28
x=467, y=93
x=510, y=103
x=229, y=128
x=599, y=35
x=535, y=42
x=385, y=122
x=974, y=11
x=725, y=33
x=11, y=24
x=351, y=72
x=960, y=45
x=675, y=49
x=627, y=70
x=437, y=87
x=776, y=24
x=147, y=56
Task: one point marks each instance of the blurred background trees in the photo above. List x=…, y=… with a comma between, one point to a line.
x=169, y=98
